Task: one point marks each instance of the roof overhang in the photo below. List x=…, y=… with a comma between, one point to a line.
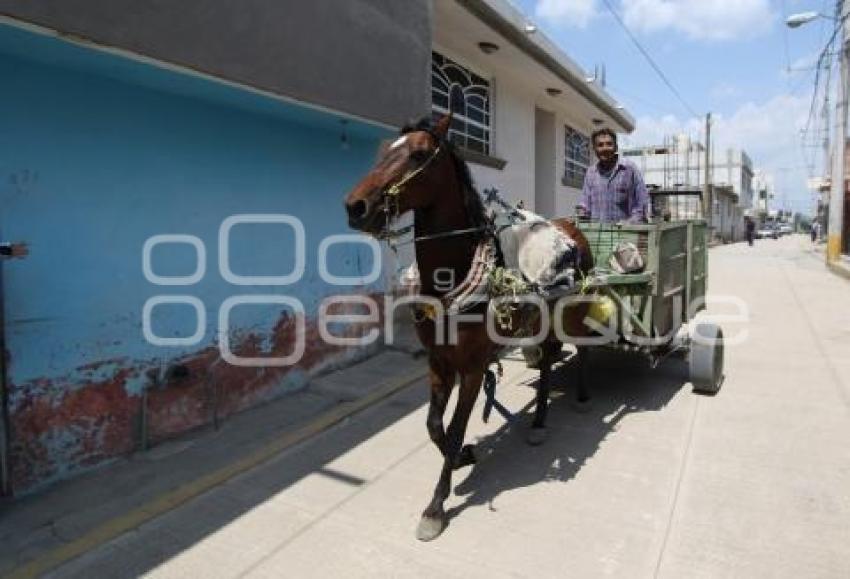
x=508, y=22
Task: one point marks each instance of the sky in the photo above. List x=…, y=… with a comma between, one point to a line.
x=727, y=57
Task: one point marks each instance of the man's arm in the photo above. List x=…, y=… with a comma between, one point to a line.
x=585, y=200
x=640, y=198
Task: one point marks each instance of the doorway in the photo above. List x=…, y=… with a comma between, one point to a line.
x=544, y=163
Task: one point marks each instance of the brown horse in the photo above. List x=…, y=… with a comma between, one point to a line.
x=420, y=172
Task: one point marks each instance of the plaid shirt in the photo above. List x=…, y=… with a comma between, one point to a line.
x=621, y=196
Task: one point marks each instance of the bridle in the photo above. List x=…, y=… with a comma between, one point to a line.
x=391, y=194
x=390, y=197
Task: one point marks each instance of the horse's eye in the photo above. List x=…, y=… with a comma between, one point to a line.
x=419, y=156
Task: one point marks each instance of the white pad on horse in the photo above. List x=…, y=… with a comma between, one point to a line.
x=532, y=245
x=538, y=250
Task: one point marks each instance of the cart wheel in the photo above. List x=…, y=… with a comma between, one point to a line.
x=705, y=358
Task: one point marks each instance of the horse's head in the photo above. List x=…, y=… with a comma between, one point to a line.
x=404, y=178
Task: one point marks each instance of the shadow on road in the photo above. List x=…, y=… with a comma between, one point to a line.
x=620, y=385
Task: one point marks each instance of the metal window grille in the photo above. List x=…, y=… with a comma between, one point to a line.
x=576, y=157
x=457, y=89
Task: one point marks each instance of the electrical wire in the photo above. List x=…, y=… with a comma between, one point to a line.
x=825, y=53
x=650, y=60
x=644, y=101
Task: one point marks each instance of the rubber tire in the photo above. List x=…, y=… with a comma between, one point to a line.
x=705, y=361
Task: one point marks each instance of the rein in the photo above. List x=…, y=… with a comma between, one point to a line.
x=405, y=230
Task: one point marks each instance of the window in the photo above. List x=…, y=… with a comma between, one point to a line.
x=455, y=88
x=577, y=153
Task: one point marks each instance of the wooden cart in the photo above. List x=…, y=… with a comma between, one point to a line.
x=655, y=307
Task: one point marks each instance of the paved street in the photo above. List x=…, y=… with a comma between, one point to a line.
x=654, y=481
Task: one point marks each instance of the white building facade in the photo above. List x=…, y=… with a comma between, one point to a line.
x=679, y=162
x=523, y=110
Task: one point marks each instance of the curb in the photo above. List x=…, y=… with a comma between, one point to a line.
x=172, y=499
x=840, y=269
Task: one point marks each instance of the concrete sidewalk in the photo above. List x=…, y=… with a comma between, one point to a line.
x=840, y=267
x=42, y=530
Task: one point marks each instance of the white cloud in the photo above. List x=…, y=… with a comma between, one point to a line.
x=769, y=129
x=576, y=13
x=700, y=19
x=805, y=61
x=769, y=132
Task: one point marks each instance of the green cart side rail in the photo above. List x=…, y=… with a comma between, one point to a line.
x=670, y=290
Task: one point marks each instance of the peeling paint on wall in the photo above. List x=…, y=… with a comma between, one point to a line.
x=60, y=427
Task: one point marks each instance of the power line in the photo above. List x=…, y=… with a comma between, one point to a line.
x=642, y=100
x=649, y=59
x=825, y=53
x=820, y=63
x=804, y=80
x=815, y=92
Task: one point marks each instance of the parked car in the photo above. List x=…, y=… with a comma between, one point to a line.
x=767, y=230
x=786, y=229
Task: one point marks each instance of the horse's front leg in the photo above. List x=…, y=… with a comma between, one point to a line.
x=434, y=517
x=538, y=433
x=442, y=381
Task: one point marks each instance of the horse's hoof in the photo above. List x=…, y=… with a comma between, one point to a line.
x=430, y=527
x=537, y=435
x=466, y=456
x=582, y=406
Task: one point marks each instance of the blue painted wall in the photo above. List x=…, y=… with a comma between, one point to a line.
x=98, y=153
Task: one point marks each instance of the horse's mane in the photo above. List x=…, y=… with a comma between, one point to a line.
x=471, y=199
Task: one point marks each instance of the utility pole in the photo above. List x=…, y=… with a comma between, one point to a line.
x=820, y=210
x=836, y=197
x=706, y=195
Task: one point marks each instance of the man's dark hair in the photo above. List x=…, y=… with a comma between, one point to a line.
x=600, y=132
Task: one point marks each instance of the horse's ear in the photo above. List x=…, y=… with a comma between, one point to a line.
x=441, y=129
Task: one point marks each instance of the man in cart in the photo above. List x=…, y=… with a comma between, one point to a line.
x=613, y=190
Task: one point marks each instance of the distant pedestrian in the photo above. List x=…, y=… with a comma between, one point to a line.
x=815, y=231
x=750, y=225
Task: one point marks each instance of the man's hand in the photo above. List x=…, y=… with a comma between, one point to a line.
x=582, y=214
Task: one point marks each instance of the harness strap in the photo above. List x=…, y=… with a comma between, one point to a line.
x=473, y=289
x=395, y=189
x=391, y=200
x=390, y=235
